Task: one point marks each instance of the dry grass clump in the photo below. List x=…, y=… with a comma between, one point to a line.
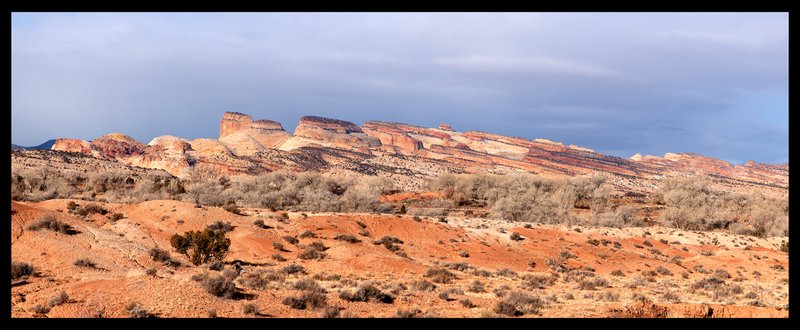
x=519, y=303
x=367, y=292
x=21, y=270
x=50, y=222
x=440, y=275
x=347, y=238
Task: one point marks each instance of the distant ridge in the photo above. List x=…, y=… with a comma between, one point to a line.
x=406, y=153
x=47, y=145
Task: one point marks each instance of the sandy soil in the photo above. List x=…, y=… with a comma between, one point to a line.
x=661, y=264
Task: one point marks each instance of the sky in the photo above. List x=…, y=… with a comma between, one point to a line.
x=715, y=84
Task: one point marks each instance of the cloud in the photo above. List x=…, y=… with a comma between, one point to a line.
x=621, y=83
x=534, y=64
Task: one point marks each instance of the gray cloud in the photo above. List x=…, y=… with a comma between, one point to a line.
x=616, y=83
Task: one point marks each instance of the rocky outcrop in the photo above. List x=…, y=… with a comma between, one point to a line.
x=335, y=133
x=73, y=145
x=328, y=124
x=167, y=152
x=117, y=145
x=246, y=137
x=392, y=138
x=233, y=122
x=248, y=146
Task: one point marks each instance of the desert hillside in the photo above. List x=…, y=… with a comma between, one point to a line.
x=302, y=264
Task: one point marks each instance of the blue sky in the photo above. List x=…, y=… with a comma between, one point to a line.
x=619, y=83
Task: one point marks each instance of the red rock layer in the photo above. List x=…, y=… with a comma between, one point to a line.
x=249, y=147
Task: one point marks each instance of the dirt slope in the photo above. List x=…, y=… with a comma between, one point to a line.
x=635, y=262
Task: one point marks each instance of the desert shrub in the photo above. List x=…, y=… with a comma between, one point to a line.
x=721, y=274
x=346, y=238
x=199, y=277
x=202, y=246
x=20, y=270
x=307, y=285
x=519, y=303
x=476, y=286
x=51, y=223
x=311, y=253
x=558, y=262
x=220, y=286
x=311, y=191
x=60, y=299
x=137, y=311
x=623, y=216
x=459, y=266
x=278, y=246
x=607, y=296
x=407, y=313
x=330, y=312
x=83, y=262
x=249, y=309
x=388, y=240
x=222, y=227
x=505, y=272
x=482, y=273
x=784, y=246
x=367, y=292
x=516, y=237
x=423, y=285
x=260, y=280
x=231, y=207
x=260, y=224
x=525, y=197
x=116, y=217
x=326, y=277
x=159, y=255
x=293, y=269
x=467, y=303
x=663, y=271
x=692, y=205
x=307, y=234
x=278, y=257
x=671, y=297
x=291, y=240
x=640, y=309
x=163, y=256
x=538, y=281
x=90, y=209
x=232, y=273
x=314, y=299
x=617, y=272
x=445, y=295
x=440, y=275
x=41, y=310
x=597, y=282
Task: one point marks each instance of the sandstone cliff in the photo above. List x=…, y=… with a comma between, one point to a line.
x=247, y=146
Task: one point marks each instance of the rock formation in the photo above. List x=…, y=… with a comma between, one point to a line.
x=335, y=133
x=248, y=146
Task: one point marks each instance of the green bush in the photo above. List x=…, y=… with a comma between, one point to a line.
x=202, y=246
